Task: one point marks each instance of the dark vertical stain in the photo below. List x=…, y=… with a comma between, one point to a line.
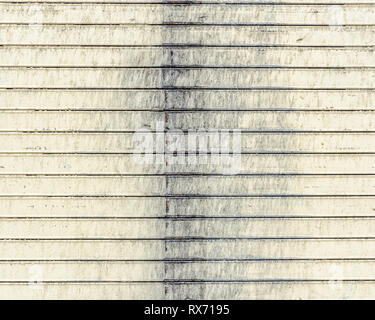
x=165, y=63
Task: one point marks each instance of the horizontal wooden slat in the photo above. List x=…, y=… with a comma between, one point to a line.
x=274, y=164
x=186, y=78
x=222, y=291
x=264, y=207
x=217, y=228
x=251, y=142
x=196, y=249
x=83, y=207
x=82, y=99
x=158, y=291
x=153, y=57
x=94, y=142
x=185, y=207
x=270, y=249
x=132, y=121
x=187, y=185
x=130, y=164
x=274, y=121
x=307, y=142
x=209, y=57
x=195, y=14
x=272, y=185
x=274, y=290
x=259, y=270
x=82, y=271
x=57, y=291
x=188, y=99
x=185, y=35
x=187, y=271
x=60, y=185
x=273, y=2
x=79, y=121
x=83, y=249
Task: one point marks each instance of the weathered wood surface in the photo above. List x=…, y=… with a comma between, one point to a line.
x=155, y=207
x=78, y=56
x=82, y=217
x=104, y=142
x=224, y=249
x=218, y=228
x=128, y=164
x=117, y=121
x=188, y=270
x=156, y=78
x=231, y=290
x=274, y=2
x=145, y=35
x=209, y=99
x=247, y=185
x=185, y=14
x=250, y=164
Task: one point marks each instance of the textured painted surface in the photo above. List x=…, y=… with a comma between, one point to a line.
x=81, y=217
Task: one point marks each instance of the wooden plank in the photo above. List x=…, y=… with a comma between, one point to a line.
x=265, y=270
x=77, y=291
x=275, y=2
x=273, y=121
x=83, y=207
x=187, y=271
x=227, y=228
x=182, y=57
x=124, y=143
x=133, y=121
x=187, y=185
x=271, y=249
x=292, y=142
x=222, y=291
x=274, y=164
x=186, y=78
x=196, y=249
x=82, y=186
x=188, y=13
x=265, y=206
x=65, y=142
x=129, y=164
x=83, y=99
x=81, y=250
x=271, y=185
x=186, y=207
x=82, y=271
x=273, y=290
x=79, y=121
x=185, y=35
x=187, y=99
x=158, y=291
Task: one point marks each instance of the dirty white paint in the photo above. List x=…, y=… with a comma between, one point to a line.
x=127, y=164
x=135, y=120
x=209, y=57
x=82, y=218
x=183, y=13
x=186, y=78
x=74, y=142
x=209, y=99
x=242, y=35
